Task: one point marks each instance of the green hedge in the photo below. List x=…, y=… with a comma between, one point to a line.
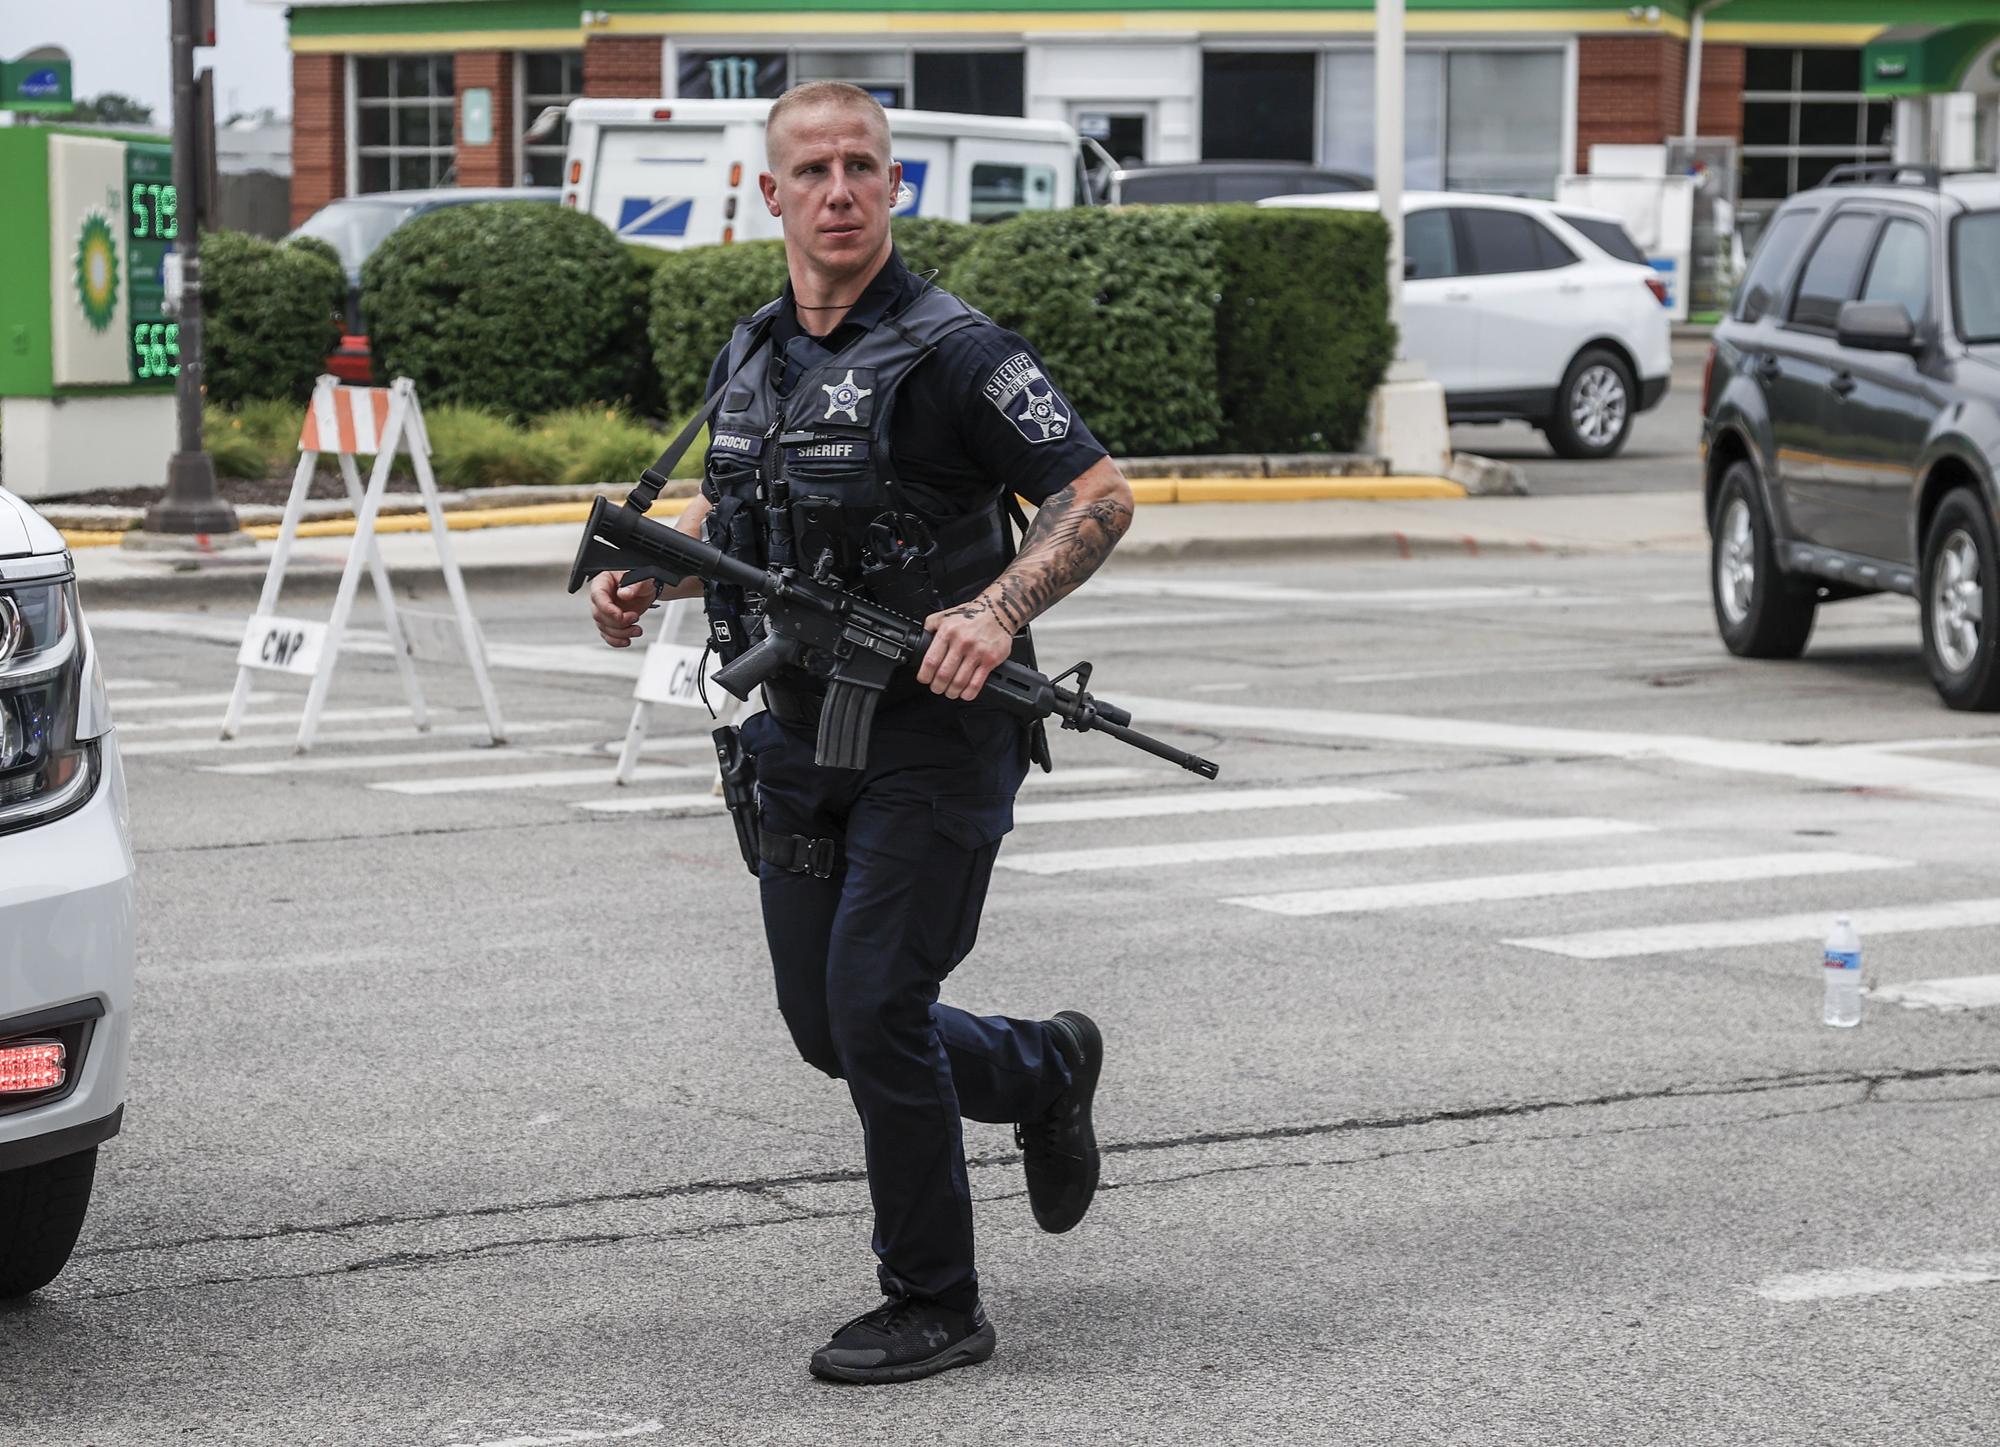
x=698, y=297
x=1302, y=332
x=270, y=314
x=1175, y=329
x=518, y=307
x=1121, y=305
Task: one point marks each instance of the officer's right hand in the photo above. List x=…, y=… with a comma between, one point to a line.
x=616, y=611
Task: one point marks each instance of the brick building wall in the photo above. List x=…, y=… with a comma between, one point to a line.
x=1721, y=106
x=1629, y=91
x=319, y=132
x=491, y=164
x=623, y=65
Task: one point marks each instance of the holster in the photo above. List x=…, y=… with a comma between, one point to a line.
x=739, y=791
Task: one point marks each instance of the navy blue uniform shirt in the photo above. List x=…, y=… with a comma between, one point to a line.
x=977, y=416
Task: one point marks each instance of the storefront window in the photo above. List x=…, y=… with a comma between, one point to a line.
x=976, y=82
x=1804, y=114
x=1473, y=119
x=403, y=121
x=1257, y=105
x=548, y=78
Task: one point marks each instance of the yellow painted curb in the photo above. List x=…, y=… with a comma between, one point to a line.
x=1289, y=489
x=86, y=539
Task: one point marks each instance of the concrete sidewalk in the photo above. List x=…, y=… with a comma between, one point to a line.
x=539, y=554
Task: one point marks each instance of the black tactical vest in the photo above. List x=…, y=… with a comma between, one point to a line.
x=806, y=480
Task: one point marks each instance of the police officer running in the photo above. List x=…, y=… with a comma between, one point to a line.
x=873, y=428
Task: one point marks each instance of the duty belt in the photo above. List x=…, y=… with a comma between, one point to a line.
x=798, y=854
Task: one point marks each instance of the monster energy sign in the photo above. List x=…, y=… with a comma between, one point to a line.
x=732, y=76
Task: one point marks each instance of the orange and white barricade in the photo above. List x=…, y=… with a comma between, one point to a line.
x=671, y=674
x=347, y=421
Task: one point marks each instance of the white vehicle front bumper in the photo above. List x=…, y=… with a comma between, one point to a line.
x=66, y=939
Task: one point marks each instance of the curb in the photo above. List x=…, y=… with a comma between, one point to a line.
x=1148, y=491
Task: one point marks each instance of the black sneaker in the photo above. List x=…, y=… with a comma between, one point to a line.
x=903, y=1339
x=1060, y=1149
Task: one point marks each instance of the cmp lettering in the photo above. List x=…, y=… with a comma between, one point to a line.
x=281, y=646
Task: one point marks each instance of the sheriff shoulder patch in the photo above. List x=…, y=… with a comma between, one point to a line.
x=1028, y=399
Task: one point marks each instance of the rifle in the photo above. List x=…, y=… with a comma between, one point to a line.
x=855, y=645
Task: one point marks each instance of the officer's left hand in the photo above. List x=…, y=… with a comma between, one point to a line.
x=967, y=643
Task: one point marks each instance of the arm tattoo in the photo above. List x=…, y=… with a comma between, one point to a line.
x=1064, y=546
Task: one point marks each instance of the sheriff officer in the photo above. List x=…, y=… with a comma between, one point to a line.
x=874, y=429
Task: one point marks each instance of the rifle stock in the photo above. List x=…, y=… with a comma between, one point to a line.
x=859, y=644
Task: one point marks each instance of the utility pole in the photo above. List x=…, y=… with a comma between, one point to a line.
x=1389, y=146
x=191, y=503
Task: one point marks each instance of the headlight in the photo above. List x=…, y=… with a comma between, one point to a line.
x=45, y=771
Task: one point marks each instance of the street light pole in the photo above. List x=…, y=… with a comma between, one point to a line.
x=191, y=503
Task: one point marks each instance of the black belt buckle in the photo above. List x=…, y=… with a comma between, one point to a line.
x=819, y=857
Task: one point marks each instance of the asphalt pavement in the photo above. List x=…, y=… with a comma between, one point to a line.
x=1465, y=1081
x=1662, y=454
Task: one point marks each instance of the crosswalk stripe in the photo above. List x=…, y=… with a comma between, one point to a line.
x=214, y=720
x=127, y=685
x=188, y=700
x=1190, y=801
x=667, y=805
x=1238, y=591
x=1959, y=992
x=1487, y=888
x=352, y=763
x=1720, y=934
x=672, y=804
x=546, y=779
x=211, y=745
x=1356, y=841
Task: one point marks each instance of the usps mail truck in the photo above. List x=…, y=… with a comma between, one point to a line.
x=674, y=173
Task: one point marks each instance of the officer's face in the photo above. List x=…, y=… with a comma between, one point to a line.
x=832, y=184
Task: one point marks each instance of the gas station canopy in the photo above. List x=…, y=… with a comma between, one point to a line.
x=1913, y=60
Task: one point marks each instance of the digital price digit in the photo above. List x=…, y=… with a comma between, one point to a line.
x=155, y=211
x=157, y=348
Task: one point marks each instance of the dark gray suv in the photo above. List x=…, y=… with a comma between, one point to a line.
x=1851, y=420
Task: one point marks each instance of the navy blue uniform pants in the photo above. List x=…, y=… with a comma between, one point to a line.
x=859, y=958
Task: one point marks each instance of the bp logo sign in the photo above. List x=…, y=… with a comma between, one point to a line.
x=97, y=272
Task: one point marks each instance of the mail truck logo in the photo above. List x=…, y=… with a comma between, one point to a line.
x=1028, y=399
x=845, y=396
x=654, y=215
x=910, y=195
x=97, y=272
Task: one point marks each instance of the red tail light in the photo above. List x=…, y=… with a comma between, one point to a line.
x=1658, y=288
x=575, y=172
x=663, y=115
x=31, y=1066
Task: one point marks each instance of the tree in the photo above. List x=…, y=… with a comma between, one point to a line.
x=112, y=108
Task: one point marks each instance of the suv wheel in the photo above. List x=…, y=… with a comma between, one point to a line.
x=41, y=1212
x=1759, y=612
x=1960, y=596
x=1594, y=407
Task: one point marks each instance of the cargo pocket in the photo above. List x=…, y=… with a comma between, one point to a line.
x=975, y=823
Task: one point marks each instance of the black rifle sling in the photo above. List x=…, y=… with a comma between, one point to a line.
x=656, y=477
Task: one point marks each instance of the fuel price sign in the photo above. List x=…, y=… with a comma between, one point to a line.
x=152, y=230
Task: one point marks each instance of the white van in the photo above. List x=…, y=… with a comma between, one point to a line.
x=674, y=173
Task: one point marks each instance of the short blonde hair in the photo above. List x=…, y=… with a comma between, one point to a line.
x=816, y=93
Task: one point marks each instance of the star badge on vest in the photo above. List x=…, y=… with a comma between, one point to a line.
x=846, y=395
x=1028, y=399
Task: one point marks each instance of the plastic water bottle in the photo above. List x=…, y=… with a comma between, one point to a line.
x=1843, y=974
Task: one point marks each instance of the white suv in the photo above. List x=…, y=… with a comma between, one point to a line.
x=1528, y=310
x=66, y=915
